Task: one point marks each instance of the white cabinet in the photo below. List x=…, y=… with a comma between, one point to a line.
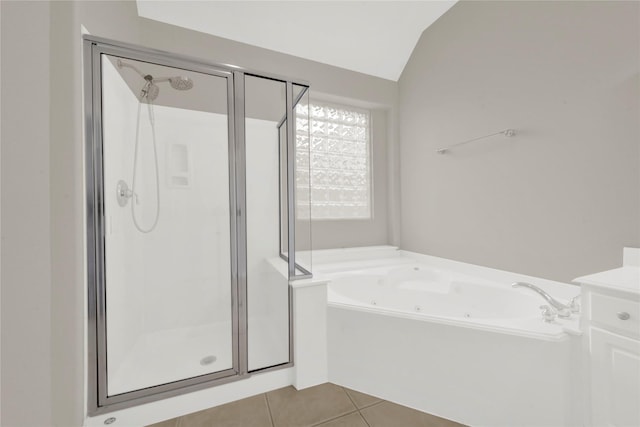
x=615, y=379
x=611, y=320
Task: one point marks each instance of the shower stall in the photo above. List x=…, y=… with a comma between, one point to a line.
x=197, y=186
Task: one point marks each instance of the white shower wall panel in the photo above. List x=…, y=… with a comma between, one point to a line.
x=187, y=272
x=119, y=117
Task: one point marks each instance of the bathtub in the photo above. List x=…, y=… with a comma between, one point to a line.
x=422, y=292
x=452, y=339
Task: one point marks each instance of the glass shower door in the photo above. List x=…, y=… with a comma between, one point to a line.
x=268, y=317
x=197, y=180
x=169, y=235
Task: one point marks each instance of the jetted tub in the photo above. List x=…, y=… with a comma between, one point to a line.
x=451, y=339
x=423, y=292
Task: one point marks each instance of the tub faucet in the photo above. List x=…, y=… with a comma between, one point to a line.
x=562, y=309
x=574, y=304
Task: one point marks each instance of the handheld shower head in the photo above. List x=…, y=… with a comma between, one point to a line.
x=149, y=91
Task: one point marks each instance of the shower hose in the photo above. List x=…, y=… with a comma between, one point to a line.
x=135, y=167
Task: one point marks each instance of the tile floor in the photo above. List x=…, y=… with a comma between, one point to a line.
x=326, y=405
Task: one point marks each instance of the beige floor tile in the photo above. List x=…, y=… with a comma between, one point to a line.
x=360, y=399
x=387, y=414
x=351, y=420
x=173, y=422
x=252, y=411
x=291, y=408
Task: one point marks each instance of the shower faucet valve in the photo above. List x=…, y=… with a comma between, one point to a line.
x=123, y=193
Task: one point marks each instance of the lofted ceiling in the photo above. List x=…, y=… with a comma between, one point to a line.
x=371, y=37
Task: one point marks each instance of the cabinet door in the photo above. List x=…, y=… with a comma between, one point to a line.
x=615, y=387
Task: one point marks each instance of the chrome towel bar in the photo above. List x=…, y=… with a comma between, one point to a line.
x=506, y=132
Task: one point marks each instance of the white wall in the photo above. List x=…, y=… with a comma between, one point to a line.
x=26, y=251
x=0, y=214
x=66, y=185
x=562, y=198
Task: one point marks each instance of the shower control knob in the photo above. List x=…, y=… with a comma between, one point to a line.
x=623, y=315
x=123, y=193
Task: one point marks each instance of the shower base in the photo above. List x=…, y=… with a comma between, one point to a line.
x=175, y=354
x=170, y=355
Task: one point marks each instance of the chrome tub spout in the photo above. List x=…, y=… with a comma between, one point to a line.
x=562, y=309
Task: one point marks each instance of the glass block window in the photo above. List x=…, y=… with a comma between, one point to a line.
x=335, y=144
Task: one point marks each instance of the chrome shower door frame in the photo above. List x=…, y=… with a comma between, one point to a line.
x=290, y=167
x=99, y=400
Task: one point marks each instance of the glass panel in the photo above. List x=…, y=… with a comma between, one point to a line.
x=302, y=181
x=167, y=229
x=267, y=279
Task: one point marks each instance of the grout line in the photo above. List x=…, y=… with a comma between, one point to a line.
x=347, y=393
x=335, y=418
x=269, y=409
x=365, y=420
x=377, y=403
x=354, y=403
x=373, y=404
x=367, y=407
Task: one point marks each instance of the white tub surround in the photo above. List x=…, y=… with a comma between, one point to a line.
x=309, y=332
x=365, y=254
x=611, y=321
x=451, y=339
x=309, y=315
x=475, y=377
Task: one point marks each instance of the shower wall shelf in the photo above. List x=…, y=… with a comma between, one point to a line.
x=506, y=132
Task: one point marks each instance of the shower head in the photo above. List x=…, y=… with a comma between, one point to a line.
x=181, y=83
x=150, y=90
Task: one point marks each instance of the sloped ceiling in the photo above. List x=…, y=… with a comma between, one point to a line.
x=371, y=37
